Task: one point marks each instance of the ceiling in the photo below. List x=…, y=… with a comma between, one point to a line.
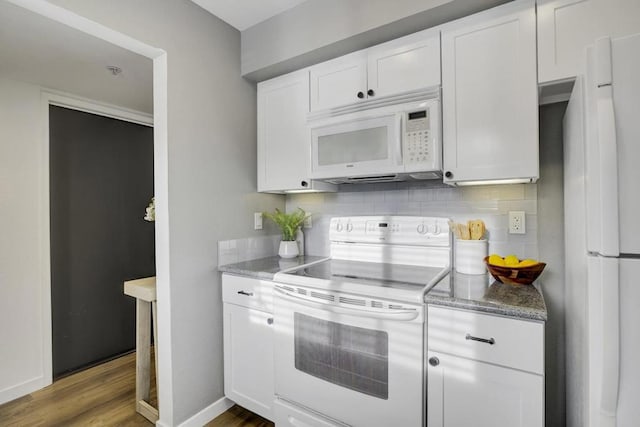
x=37, y=50
x=243, y=14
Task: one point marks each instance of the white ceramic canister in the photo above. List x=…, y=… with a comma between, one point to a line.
x=469, y=256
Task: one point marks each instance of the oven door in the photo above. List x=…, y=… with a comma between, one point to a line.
x=359, y=365
x=357, y=146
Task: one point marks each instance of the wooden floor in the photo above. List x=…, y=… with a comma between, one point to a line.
x=100, y=396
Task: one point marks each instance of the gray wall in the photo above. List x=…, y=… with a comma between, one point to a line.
x=551, y=244
x=211, y=178
x=317, y=30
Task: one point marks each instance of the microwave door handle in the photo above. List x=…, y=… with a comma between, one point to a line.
x=398, y=144
x=404, y=315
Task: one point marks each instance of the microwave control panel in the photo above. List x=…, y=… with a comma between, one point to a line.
x=418, y=141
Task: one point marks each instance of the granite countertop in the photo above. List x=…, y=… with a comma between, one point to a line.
x=266, y=268
x=484, y=294
x=471, y=292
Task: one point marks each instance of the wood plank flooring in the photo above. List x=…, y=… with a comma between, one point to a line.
x=100, y=396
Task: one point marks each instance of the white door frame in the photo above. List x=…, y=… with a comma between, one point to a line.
x=161, y=189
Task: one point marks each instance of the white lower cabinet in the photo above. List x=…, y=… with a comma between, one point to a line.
x=465, y=392
x=484, y=370
x=248, y=345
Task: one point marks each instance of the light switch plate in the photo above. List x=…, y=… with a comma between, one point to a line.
x=517, y=222
x=257, y=221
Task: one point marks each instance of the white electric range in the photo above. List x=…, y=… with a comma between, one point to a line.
x=350, y=330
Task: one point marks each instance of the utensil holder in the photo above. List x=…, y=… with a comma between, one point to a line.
x=469, y=256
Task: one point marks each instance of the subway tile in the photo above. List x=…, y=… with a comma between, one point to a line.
x=511, y=192
x=530, y=207
x=531, y=191
x=396, y=196
x=489, y=203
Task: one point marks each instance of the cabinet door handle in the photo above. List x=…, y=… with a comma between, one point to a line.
x=434, y=361
x=249, y=294
x=489, y=341
x=270, y=321
x=370, y=92
x=360, y=95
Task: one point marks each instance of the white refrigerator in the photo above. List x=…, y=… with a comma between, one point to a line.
x=602, y=237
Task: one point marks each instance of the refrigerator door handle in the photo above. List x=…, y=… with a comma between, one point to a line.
x=610, y=340
x=608, y=151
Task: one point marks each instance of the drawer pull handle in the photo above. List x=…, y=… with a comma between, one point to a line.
x=270, y=321
x=249, y=294
x=490, y=341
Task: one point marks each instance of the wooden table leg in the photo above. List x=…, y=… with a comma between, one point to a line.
x=143, y=360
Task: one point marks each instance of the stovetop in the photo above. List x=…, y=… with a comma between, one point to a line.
x=391, y=281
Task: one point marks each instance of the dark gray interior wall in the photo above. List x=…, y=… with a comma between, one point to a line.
x=551, y=248
x=318, y=30
x=101, y=179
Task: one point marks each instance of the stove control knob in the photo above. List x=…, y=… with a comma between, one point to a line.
x=349, y=227
x=422, y=228
x=435, y=229
x=338, y=227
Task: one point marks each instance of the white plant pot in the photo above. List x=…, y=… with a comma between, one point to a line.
x=288, y=249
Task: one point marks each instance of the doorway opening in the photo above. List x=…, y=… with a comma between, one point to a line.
x=101, y=179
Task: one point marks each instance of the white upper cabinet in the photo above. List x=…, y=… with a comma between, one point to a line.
x=566, y=27
x=403, y=65
x=339, y=82
x=489, y=96
x=284, y=139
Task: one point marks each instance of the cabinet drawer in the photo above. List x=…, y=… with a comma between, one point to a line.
x=517, y=344
x=247, y=292
x=289, y=416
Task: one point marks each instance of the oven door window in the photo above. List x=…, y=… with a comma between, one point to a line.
x=347, y=356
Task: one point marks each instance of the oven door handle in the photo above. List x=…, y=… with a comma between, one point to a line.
x=404, y=315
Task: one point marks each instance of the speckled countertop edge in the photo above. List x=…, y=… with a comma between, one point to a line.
x=266, y=268
x=519, y=301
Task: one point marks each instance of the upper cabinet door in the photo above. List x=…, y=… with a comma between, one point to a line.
x=489, y=95
x=566, y=27
x=403, y=65
x=284, y=140
x=341, y=81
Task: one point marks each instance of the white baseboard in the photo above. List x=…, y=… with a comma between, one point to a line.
x=10, y=393
x=208, y=413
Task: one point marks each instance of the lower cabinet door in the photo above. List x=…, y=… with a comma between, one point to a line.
x=464, y=392
x=248, y=359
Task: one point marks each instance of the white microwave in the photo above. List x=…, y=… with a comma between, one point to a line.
x=391, y=143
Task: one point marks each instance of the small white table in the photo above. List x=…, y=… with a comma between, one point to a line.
x=144, y=291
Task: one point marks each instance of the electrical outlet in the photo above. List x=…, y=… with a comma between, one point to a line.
x=517, y=222
x=308, y=223
x=257, y=221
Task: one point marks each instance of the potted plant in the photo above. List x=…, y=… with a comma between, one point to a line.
x=289, y=224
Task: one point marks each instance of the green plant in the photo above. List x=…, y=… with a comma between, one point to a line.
x=288, y=222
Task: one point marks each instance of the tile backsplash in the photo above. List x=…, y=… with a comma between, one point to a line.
x=489, y=203
x=238, y=250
